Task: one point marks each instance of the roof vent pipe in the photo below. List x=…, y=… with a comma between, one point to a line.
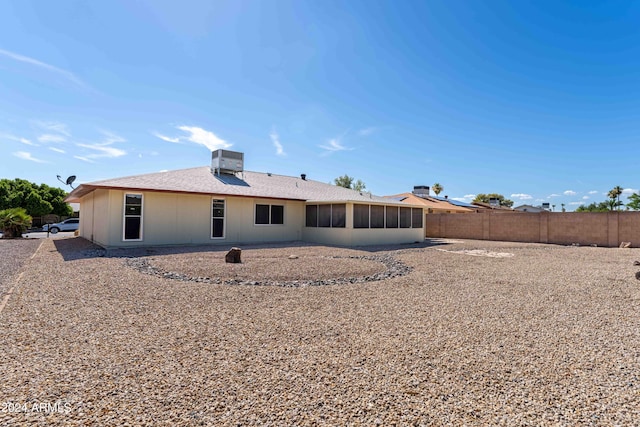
x=303, y=176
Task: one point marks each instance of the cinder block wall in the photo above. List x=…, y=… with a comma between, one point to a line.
x=585, y=228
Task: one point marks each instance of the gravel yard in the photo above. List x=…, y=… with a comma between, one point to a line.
x=472, y=333
x=13, y=255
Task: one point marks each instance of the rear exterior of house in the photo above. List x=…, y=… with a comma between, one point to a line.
x=203, y=206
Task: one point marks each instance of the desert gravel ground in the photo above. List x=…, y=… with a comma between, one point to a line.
x=13, y=255
x=477, y=333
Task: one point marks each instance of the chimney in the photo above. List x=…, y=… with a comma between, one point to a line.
x=303, y=176
x=421, y=190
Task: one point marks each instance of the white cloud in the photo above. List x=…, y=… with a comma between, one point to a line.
x=552, y=195
x=57, y=150
x=522, y=196
x=585, y=197
x=204, y=137
x=27, y=156
x=367, y=131
x=167, y=138
x=21, y=58
x=17, y=139
x=84, y=159
x=197, y=135
x=540, y=200
x=570, y=193
x=466, y=198
x=56, y=127
x=593, y=192
x=629, y=191
x=334, y=145
x=103, y=149
x=275, y=138
x=575, y=203
x=47, y=137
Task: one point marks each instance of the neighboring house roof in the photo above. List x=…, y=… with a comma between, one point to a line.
x=428, y=202
x=201, y=180
x=454, y=202
x=490, y=206
x=529, y=208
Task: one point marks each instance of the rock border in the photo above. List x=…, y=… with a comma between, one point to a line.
x=394, y=268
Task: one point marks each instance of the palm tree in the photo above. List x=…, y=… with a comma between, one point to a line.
x=437, y=188
x=614, y=194
x=14, y=222
x=563, y=209
x=553, y=208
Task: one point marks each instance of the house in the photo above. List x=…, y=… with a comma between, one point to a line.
x=224, y=204
x=480, y=206
x=421, y=197
x=531, y=209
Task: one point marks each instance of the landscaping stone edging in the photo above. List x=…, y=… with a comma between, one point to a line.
x=394, y=268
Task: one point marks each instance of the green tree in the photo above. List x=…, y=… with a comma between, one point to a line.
x=596, y=207
x=614, y=194
x=485, y=198
x=36, y=205
x=14, y=222
x=634, y=202
x=437, y=188
x=349, y=182
x=563, y=208
x=38, y=200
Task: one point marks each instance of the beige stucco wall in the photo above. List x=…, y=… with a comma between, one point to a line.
x=350, y=236
x=95, y=218
x=177, y=219
x=183, y=219
x=362, y=236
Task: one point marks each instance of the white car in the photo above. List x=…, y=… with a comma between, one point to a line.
x=70, y=224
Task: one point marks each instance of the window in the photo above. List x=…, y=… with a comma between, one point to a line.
x=360, y=216
x=416, y=218
x=217, y=219
x=277, y=214
x=262, y=214
x=405, y=217
x=326, y=215
x=132, y=224
x=377, y=216
x=269, y=214
x=338, y=215
x=312, y=215
x=392, y=216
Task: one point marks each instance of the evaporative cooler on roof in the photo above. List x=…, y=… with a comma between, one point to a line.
x=225, y=161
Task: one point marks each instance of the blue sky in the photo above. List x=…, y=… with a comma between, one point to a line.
x=539, y=101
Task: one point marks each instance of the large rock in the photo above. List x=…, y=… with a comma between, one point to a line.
x=233, y=256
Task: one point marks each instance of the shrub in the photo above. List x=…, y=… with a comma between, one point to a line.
x=14, y=222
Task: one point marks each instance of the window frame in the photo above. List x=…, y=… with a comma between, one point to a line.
x=125, y=216
x=224, y=219
x=270, y=217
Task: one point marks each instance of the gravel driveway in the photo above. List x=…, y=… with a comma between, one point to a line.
x=477, y=333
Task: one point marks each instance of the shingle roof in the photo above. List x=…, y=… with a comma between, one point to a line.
x=201, y=180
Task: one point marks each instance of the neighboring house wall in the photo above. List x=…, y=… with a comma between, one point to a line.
x=585, y=228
